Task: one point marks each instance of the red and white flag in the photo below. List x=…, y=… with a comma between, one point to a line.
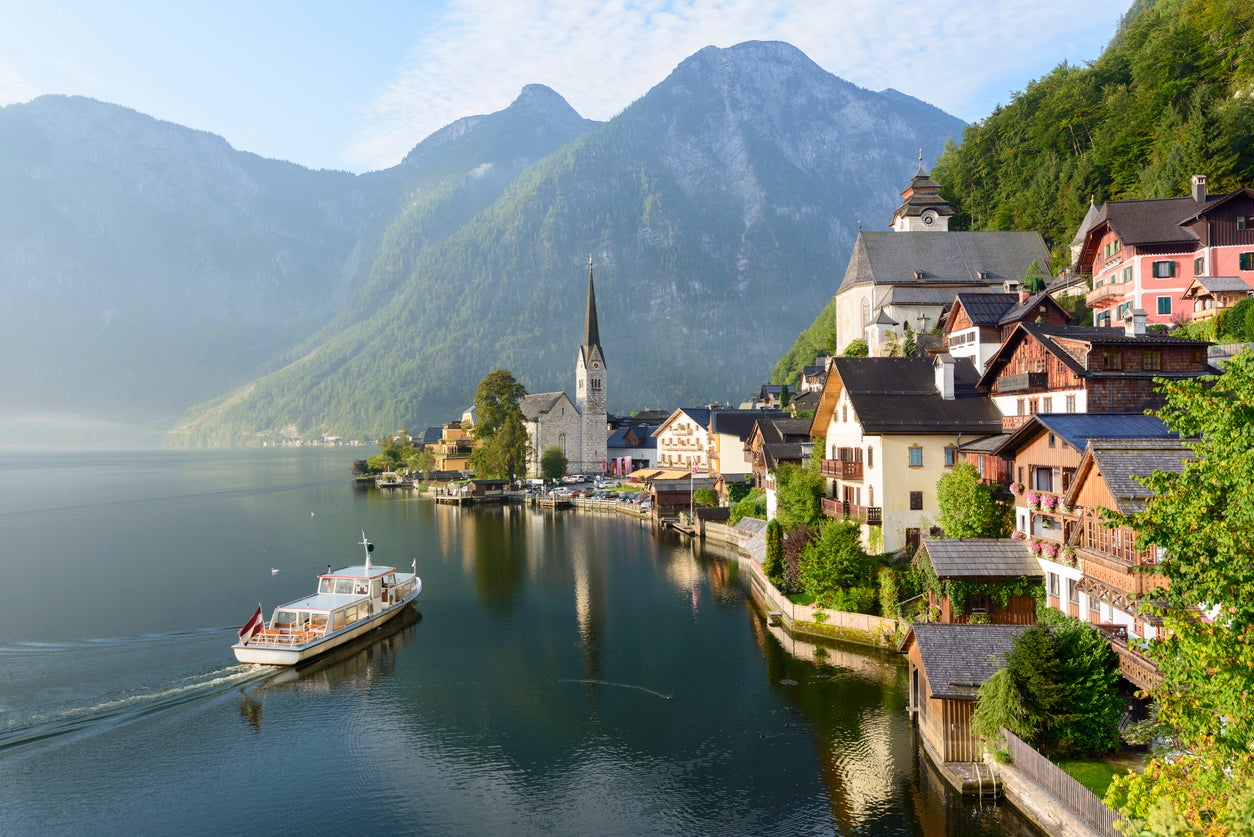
x=253, y=627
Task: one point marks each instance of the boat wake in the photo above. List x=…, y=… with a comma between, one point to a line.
x=66, y=723
x=619, y=686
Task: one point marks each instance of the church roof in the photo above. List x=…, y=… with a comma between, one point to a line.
x=591, y=331
x=971, y=259
x=538, y=404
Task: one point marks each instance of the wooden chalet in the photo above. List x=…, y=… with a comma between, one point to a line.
x=774, y=441
x=670, y=497
x=1082, y=369
x=981, y=564
x=1116, y=574
x=948, y=664
x=978, y=323
x=1211, y=294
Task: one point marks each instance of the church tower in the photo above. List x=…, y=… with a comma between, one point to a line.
x=922, y=208
x=590, y=391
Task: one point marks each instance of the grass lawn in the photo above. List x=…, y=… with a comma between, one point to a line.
x=1096, y=774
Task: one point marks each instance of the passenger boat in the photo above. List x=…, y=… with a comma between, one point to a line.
x=350, y=601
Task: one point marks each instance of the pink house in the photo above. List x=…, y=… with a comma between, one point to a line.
x=1144, y=254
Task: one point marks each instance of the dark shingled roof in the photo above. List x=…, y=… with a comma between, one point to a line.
x=1121, y=460
x=986, y=308
x=778, y=452
x=1224, y=284
x=953, y=258
x=958, y=658
x=1153, y=221
x=898, y=395
x=981, y=558
x=644, y=434
x=1077, y=428
x=740, y=422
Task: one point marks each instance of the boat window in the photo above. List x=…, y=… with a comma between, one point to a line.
x=326, y=585
x=362, y=588
x=374, y=588
x=284, y=619
x=389, y=581
x=318, y=620
x=344, y=585
x=337, y=620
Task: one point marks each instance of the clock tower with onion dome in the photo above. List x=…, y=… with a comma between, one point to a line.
x=922, y=209
x=590, y=373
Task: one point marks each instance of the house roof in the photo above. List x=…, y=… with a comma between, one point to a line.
x=740, y=423
x=805, y=401
x=957, y=659
x=1218, y=285
x=981, y=558
x=777, y=452
x=672, y=486
x=984, y=444
x=1120, y=461
x=644, y=434
x=985, y=308
x=899, y=395
x=1077, y=428
x=1152, y=221
x=943, y=258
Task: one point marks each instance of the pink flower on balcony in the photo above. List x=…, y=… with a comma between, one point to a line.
x=1035, y=546
x=1017, y=535
x=1051, y=550
x=1048, y=502
x=1034, y=499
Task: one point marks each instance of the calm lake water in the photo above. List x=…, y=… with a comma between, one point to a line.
x=565, y=674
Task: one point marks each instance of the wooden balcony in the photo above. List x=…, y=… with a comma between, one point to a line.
x=840, y=510
x=1136, y=668
x=842, y=470
x=1022, y=382
x=1105, y=296
x=1010, y=424
x=1118, y=574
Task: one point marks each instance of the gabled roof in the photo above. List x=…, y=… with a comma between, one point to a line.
x=537, y=404
x=981, y=558
x=805, y=401
x=777, y=453
x=1216, y=285
x=740, y=423
x=644, y=434
x=898, y=395
x=699, y=416
x=778, y=430
x=984, y=308
x=1119, y=461
x=432, y=435
x=1032, y=306
x=957, y=659
x=1075, y=429
x=943, y=258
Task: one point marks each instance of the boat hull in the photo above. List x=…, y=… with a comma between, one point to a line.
x=269, y=655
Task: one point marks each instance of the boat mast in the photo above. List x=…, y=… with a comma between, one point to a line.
x=368, y=546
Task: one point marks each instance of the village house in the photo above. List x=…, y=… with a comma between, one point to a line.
x=978, y=323
x=730, y=456
x=452, y=451
x=683, y=440
x=910, y=275
x=1044, y=368
x=947, y=666
x=892, y=428
x=1115, y=572
x=630, y=448
x=996, y=576
x=1144, y=254
x=774, y=442
x=1210, y=295
x=672, y=496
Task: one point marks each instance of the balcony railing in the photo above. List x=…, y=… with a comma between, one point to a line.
x=840, y=469
x=1135, y=666
x=840, y=510
x=1022, y=382
x=1009, y=424
x=1103, y=297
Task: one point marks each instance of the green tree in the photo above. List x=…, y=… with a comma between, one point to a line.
x=752, y=504
x=1059, y=691
x=422, y=460
x=856, y=347
x=1201, y=518
x=705, y=496
x=784, y=397
x=773, y=561
x=501, y=436
x=836, y=571
x=1034, y=280
x=553, y=463
x=967, y=506
x=798, y=495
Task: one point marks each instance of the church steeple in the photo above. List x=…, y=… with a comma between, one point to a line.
x=922, y=206
x=590, y=395
x=591, y=332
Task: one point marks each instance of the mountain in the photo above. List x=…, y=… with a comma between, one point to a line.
x=719, y=209
x=146, y=268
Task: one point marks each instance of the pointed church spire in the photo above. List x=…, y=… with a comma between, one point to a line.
x=591, y=333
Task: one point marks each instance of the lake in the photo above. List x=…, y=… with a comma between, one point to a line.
x=563, y=673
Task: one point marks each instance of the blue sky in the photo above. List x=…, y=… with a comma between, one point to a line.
x=329, y=86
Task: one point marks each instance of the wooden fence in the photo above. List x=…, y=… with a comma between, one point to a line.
x=1062, y=786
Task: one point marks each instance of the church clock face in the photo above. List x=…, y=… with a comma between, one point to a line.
x=596, y=365
x=929, y=218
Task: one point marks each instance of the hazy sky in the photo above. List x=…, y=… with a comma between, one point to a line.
x=356, y=86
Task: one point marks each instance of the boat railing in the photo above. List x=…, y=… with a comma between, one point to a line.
x=285, y=635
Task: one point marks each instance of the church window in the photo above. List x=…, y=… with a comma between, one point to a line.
x=866, y=313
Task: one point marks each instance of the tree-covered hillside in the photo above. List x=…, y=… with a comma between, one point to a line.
x=1172, y=96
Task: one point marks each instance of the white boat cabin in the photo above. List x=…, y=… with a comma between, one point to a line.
x=344, y=597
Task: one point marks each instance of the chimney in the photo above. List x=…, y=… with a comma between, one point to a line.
x=1023, y=296
x=1199, y=188
x=943, y=367
x=1134, y=320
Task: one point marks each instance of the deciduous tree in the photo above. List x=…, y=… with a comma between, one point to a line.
x=967, y=506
